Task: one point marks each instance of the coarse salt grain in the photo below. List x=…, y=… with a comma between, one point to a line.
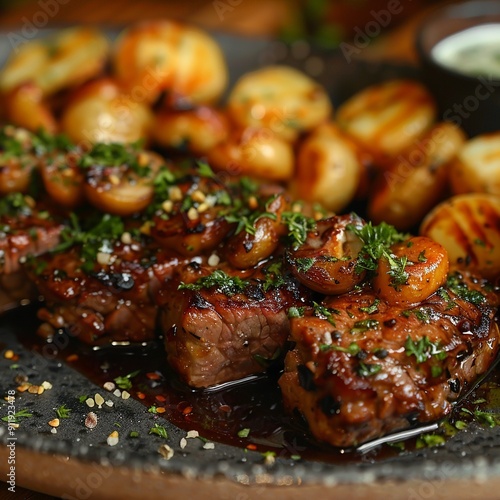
x=166, y=451
x=46, y=385
x=192, y=214
x=53, y=430
x=117, y=393
x=103, y=258
x=113, y=438
x=213, y=260
x=125, y=395
x=90, y=402
x=183, y=443
x=99, y=400
x=126, y=238
x=208, y=446
x=192, y=434
x=9, y=354
x=109, y=403
x=54, y=422
x=109, y=386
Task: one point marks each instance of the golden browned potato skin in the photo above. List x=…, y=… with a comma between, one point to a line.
x=280, y=99
x=468, y=226
x=65, y=60
x=254, y=152
x=244, y=250
x=417, y=180
x=328, y=168
x=387, y=118
x=199, y=129
x=101, y=112
x=326, y=262
x=477, y=166
x=25, y=106
x=427, y=269
x=156, y=56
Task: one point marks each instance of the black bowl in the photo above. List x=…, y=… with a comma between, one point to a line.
x=472, y=102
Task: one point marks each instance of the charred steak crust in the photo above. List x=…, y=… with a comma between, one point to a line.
x=214, y=336
x=370, y=369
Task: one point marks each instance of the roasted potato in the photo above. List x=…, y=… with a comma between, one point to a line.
x=328, y=169
x=157, y=56
x=477, y=166
x=254, y=152
x=25, y=107
x=387, y=118
x=281, y=99
x=417, y=180
x=197, y=130
x=468, y=226
x=64, y=60
x=100, y=112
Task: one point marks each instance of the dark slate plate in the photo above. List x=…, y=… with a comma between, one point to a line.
x=470, y=458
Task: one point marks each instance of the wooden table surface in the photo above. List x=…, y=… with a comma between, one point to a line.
x=245, y=17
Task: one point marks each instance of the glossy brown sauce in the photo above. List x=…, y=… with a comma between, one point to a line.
x=218, y=415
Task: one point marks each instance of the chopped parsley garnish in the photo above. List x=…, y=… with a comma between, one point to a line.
x=124, y=382
x=367, y=370
x=459, y=288
x=152, y=409
x=113, y=155
x=377, y=241
x=246, y=221
x=422, y=257
x=100, y=238
x=133, y=434
x=63, y=411
x=15, y=418
x=228, y=285
x=325, y=312
x=371, y=309
x=14, y=204
x=353, y=348
x=423, y=349
x=296, y=312
x=243, y=433
x=298, y=226
x=82, y=398
x=304, y=264
x=159, y=430
x=365, y=325
x=204, y=170
x=430, y=440
x=274, y=276
x=450, y=304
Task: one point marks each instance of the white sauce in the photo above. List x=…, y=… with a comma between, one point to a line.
x=474, y=51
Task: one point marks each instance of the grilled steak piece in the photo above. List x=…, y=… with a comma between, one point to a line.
x=362, y=368
x=224, y=326
x=111, y=302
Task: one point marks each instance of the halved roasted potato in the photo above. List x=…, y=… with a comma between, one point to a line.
x=387, y=118
x=328, y=169
x=417, y=180
x=254, y=152
x=197, y=130
x=121, y=187
x=157, y=56
x=477, y=166
x=66, y=59
x=101, y=112
x=281, y=99
x=468, y=226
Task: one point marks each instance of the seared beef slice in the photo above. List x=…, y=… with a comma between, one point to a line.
x=362, y=368
x=227, y=331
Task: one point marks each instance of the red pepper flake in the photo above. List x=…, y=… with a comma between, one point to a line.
x=225, y=408
x=71, y=358
x=251, y=447
x=153, y=376
x=160, y=409
x=141, y=395
x=160, y=398
x=187, y=410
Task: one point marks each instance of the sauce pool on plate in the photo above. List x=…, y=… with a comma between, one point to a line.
x=474, y=51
